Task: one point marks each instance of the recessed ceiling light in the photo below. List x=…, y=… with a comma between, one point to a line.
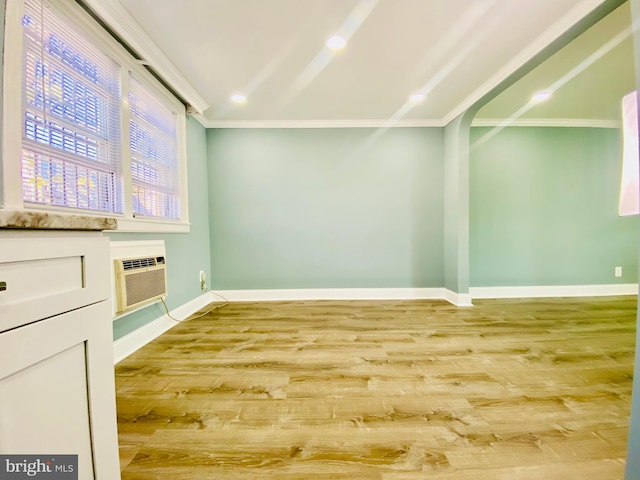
x=238, y=98
x=541, y=96
x=417, y=97
x=336, y=43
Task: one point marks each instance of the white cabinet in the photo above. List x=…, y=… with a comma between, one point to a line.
x=57, y=392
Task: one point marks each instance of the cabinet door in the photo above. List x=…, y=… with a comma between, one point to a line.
x=57, y=390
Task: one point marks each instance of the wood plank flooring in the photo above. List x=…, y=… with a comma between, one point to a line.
x=393, y=390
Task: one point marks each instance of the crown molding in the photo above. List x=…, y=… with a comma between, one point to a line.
x=565, y=23
x=202, y=120
x=437, y=123
x=123, y=24
x=546, y=122
x=365, y=123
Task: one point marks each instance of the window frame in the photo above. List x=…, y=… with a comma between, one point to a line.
x=12, y=197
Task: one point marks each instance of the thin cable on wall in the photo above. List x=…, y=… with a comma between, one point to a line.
x=215, y=307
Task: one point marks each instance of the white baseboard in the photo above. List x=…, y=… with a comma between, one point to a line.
x=555, y=291
x=283, y=295
x=458, y=299
x=125, y=346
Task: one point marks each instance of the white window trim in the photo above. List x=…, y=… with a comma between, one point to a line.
x=11, y=198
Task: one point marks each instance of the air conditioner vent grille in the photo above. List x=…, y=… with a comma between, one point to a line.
x=136, y=263
x=142, y=286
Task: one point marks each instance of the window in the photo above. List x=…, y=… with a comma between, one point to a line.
x=629, y=203
x=154, y=160
x=98, y=135
x=71, y=120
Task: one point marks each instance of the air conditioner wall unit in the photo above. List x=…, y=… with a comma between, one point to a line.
x=139, y=281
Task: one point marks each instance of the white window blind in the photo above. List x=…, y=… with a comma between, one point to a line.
x=154, y=154
x=71, y=117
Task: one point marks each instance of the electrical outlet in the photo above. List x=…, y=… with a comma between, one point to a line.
x=618, y=271
x=203, y=280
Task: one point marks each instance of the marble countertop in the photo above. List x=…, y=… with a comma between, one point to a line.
x=25, y=219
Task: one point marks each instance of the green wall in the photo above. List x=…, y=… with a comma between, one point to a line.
x=187, y=254
x=543, y=208
x=456, y=205
x=326, y=208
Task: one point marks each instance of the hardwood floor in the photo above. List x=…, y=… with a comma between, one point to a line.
x=393, y=390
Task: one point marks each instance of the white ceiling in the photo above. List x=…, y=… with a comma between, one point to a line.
x=453, y=50
x=589, y=77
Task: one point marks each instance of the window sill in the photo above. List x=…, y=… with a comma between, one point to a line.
x=64, y=219
x=139, y=225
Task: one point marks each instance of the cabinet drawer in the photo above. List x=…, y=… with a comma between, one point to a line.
x=42, y=276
